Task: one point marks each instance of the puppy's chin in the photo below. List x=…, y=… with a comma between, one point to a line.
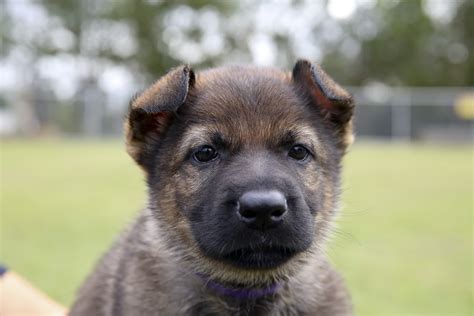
x=252, y=276
x=268, y=257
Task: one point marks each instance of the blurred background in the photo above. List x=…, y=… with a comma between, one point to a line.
x=68, y=69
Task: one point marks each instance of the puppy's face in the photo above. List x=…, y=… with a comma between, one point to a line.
x=244, y=172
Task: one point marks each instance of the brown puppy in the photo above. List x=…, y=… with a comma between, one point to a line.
x=243, y=170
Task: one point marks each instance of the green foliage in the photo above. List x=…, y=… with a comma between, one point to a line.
x=403, y=242
x=145, y=18
x=463, y=23
x=408, y=49
x=406, y=46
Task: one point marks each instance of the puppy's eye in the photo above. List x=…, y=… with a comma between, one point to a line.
x=298, y=152
x=205, y=154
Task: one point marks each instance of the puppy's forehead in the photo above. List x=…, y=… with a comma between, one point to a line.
x=246, y=102
x=244, y=89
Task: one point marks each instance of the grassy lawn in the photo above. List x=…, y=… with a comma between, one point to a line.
x=404, y=240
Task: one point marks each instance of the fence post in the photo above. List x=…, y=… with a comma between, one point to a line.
x=401, y=115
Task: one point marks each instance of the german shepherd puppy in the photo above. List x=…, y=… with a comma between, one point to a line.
x=243, y=172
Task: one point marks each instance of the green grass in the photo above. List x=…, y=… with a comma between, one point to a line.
x=404, y=241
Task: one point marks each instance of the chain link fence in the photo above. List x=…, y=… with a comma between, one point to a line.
x=444, y=114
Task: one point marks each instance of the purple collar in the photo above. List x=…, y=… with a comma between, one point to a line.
x=240, y=293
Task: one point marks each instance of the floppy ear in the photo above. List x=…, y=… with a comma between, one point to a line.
x=334, y=103
x=152, y=111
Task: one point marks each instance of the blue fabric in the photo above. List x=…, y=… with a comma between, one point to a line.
x=240, y=293
x=3, y=269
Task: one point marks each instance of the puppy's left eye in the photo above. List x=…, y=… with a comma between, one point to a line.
x=205, y=154
x=298, y=152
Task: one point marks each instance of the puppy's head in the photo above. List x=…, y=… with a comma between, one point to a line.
x=242, y=165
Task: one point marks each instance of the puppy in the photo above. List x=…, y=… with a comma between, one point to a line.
x=243, y=171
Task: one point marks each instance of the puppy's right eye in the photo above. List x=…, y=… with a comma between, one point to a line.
x=298, y=152
x=205, y=154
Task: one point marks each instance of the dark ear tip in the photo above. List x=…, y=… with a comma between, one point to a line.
x=189, y=73
x=303, y=62
x=300, y=65
x=186, y=68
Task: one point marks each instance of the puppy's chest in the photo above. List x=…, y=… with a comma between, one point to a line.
x=260, y=307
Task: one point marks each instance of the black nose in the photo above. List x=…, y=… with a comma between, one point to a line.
x=262, y=209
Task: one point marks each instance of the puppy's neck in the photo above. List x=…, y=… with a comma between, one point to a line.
x=240, y=292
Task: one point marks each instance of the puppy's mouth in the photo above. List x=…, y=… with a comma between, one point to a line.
x=259, y=257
